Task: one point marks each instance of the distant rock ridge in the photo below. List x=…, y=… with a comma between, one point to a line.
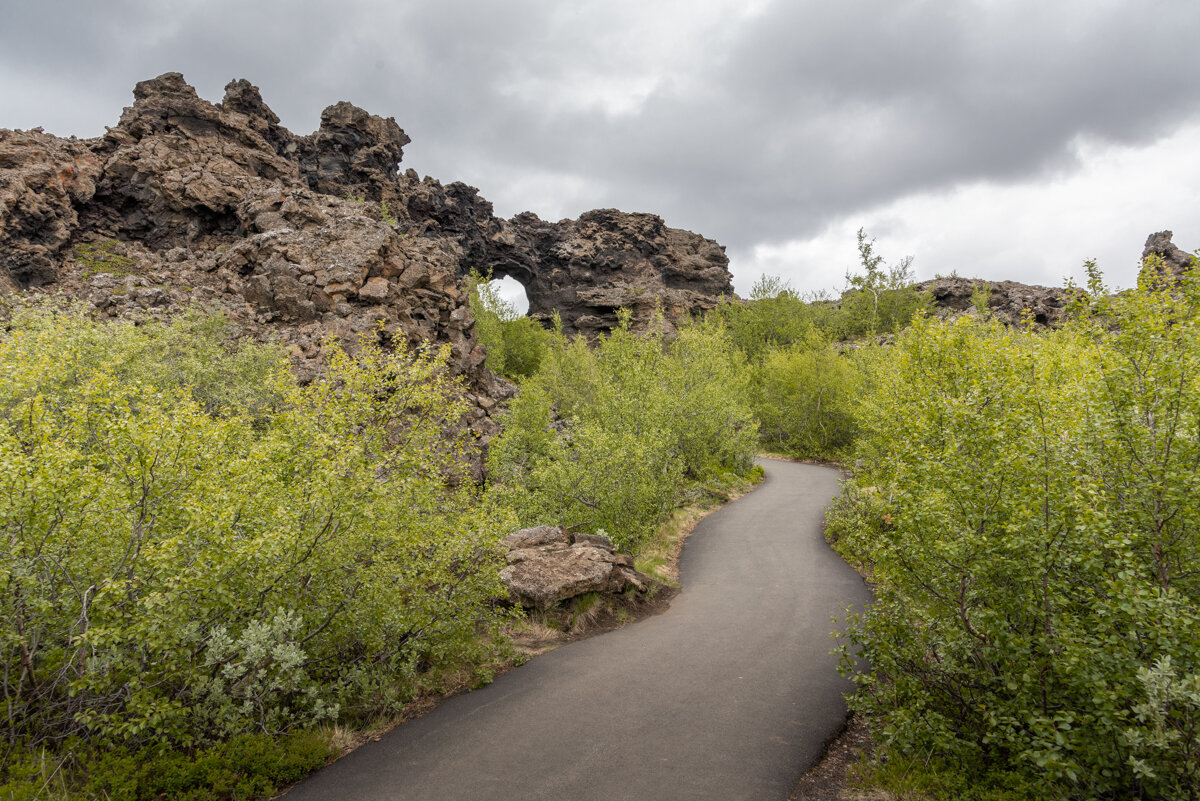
x=305, y=237
x=1014, y=303
x=1009, y=302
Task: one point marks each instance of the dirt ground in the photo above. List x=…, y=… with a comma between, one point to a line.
x=830, y=779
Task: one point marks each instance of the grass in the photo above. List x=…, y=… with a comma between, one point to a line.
x=102, y=257
x=928, y=779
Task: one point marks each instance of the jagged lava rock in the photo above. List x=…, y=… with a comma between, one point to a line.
x=1008, y=301
x=42, y=180
x=301, y=238
x=585, y=270
x=1174, y=260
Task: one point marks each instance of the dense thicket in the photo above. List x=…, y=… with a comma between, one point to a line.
x=805, y=354
x=515, y=343
x=1028, y=505
x=195, y=547
x=603, y=437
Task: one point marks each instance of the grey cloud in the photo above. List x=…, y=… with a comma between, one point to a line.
x=807, y=112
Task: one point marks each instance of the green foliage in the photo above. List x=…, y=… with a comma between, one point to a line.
x=243, y=767
x=1031, y=524
x=932, y=778
x=225, y=374
x=1165, y=744
x=775, y=316
x=981, y=295
x=803, y=389
x=606, y=437
x=880, y=299
x=386, y=215
x=102, y=257
x=515, y=344
x=179, y=569
x=803, y=397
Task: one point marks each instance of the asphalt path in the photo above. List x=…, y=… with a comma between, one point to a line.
x=730, y=694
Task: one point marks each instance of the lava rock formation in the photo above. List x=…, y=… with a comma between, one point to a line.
x=302, y=238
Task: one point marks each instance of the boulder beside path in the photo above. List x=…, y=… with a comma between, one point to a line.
x=548, y=564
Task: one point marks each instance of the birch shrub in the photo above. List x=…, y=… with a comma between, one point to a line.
x=178, y=567
x=606, y=437
x=1031, y=514
x=804, y=397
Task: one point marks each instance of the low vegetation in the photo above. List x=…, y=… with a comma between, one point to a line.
x=1027, y=504
x=807, y=357
x=607, y=437
x=515, y=344
x=210, y=571
x=196, y=548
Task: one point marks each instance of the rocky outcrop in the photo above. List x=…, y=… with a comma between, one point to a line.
x=303, y=238
x=43, y=180
x=1007, y=301
x=585, y=270
x=185, y=202
x=546, y=565
x=1171, y=259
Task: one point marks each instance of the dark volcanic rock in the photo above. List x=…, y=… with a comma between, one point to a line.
x=1174, y=260
x=585, y=270
x=1008, y=301
x=354, y=154
x=305, y=238
x=42, y=181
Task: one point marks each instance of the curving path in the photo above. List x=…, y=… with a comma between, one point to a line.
x=730, y=694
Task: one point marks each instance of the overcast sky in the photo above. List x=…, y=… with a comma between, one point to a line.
x=997, y=138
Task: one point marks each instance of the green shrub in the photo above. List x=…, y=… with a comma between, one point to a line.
x=775, y=316
x=1035, y=508
x=515, y=344
x=246, y=766
x=803, y=397
x=180, y=569
x=606, y=437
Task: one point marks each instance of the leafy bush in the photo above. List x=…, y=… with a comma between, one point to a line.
x=605, y=437
x=243, y=767
x=803, y=397
x=880, y=299
x=803, y=388
x=515, y=343
x=775, y=316
x=1035, y=503
x=180, y=569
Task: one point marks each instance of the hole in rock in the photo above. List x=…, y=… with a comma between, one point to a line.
x=512, y=293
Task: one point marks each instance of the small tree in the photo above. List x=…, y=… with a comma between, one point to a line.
x=880, y=298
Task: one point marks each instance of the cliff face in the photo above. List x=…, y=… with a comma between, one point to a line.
x=303, y=237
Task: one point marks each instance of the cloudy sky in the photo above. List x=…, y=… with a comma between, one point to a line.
x=998, y=138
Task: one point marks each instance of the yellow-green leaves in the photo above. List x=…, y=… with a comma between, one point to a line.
x=1032, y=525
x=603, y=438
x=194, y=546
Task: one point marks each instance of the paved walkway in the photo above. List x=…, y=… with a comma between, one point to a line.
x=730, y=694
